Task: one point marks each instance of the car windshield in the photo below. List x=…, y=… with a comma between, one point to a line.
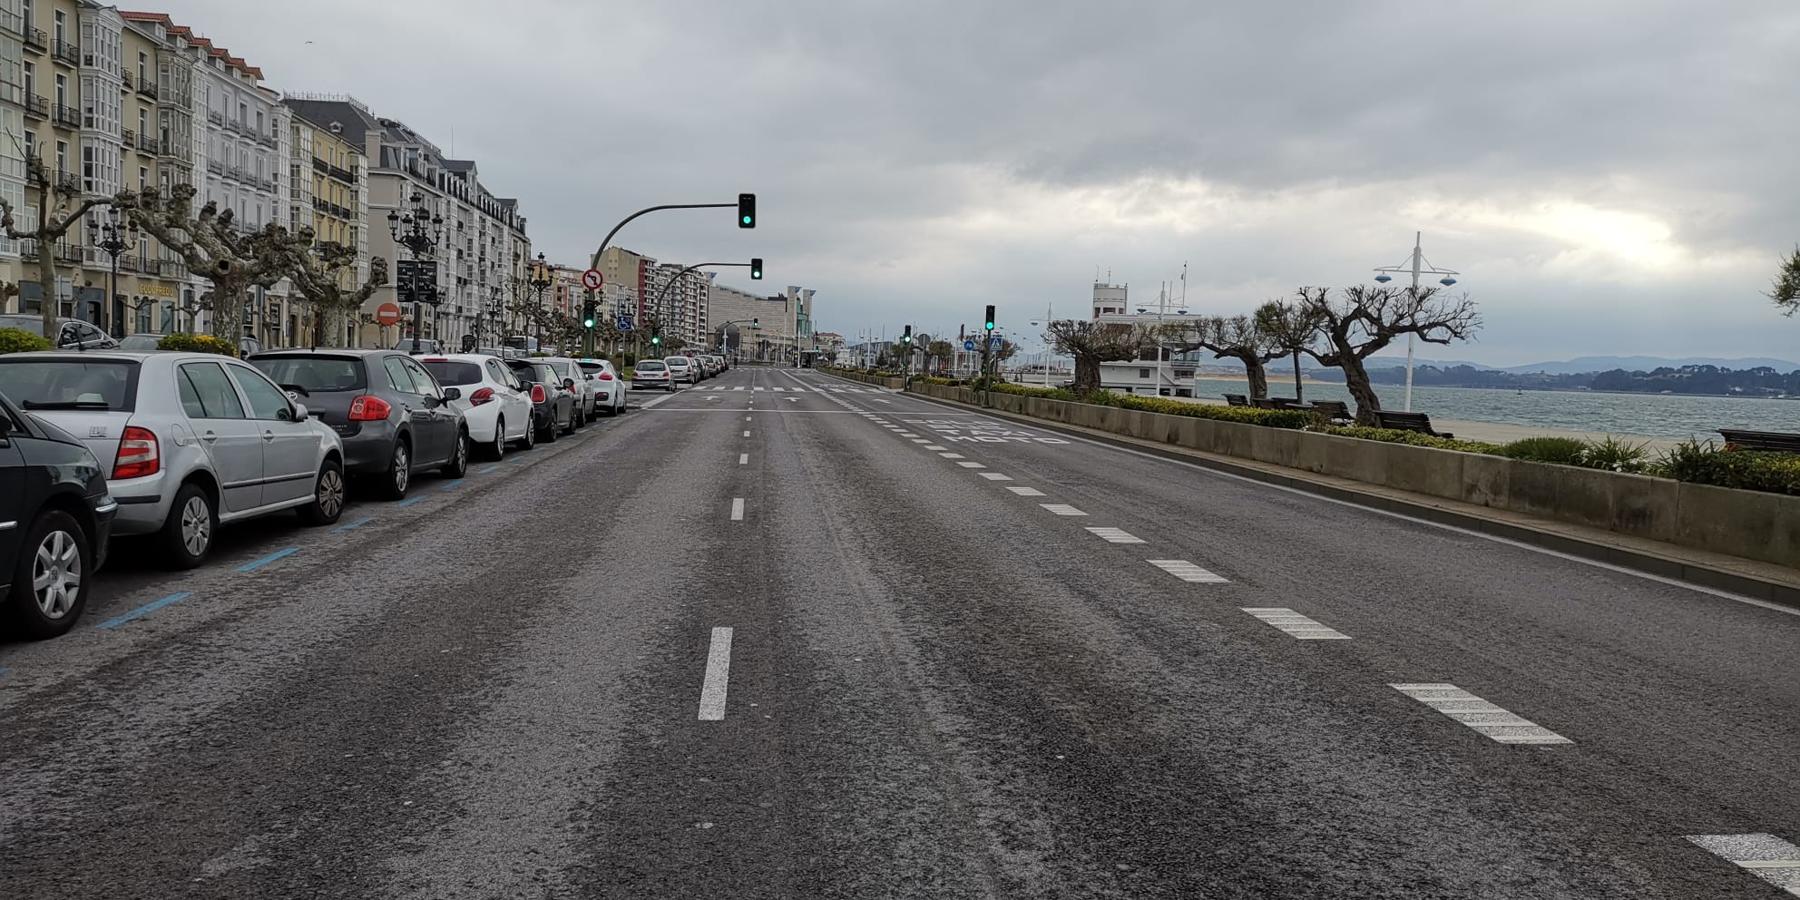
x=450, y=371
x=592, y=368
x=315, y=373
x=69, y=383
x=677, y=362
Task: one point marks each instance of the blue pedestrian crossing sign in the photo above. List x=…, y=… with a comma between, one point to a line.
x=968, y=345
x=994, y=342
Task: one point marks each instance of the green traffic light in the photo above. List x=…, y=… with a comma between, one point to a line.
x=747, y=220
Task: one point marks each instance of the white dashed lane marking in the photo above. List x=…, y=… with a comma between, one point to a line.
x=1026, y=492
x=743, y=459
x=737, y=509
x=1479, y=714
x=1295, y=624
x=971, y=465
x=921, y=440
x=1062, y=509
x=951, y=455
x=996, y=476
x=718, y=674
x=1770, y=858
x=746, y=434
x=933, y=447
x=1116, y=535
x=1187, y=571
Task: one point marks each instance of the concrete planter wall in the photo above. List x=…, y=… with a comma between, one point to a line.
x=889, y=383
x=1750, y=524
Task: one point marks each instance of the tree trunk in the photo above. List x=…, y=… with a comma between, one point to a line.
x=1356, y=379
x=1258, y=377
x=46, y=259
x=1087, y=374
x=1298, y=395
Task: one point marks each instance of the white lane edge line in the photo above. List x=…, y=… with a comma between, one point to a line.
x=718, y=674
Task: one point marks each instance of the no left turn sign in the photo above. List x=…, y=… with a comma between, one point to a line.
x=592, y=279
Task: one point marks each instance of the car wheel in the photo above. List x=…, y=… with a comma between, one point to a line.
x=577, y=419
x=550, y=431
x=497, y=451
x=328, y=495
x=187, y=534
x=50, y=584
x=458, y=466
x=398, y=476
x=574, y=421
x=531, y=434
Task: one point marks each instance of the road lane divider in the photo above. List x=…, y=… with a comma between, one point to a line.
x=996, y=476
x=746, y=432
x=743, y=459
x=1766, y=856
x=1062, y=509
x=275, y=557
x=1188, y=572
x=1115, y=535
x=952, y=456
x=931, y=446
x=144, y=610
x=718, y=673
x=1487, y=718
x=971, y=465
x=1026, y=491
x=737, y=509
x=1295, y=624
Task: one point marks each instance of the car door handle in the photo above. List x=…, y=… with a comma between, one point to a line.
x=209, y=437
x=268, y=435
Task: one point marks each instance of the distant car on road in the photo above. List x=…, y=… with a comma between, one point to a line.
x=422, y=345
x=55, y=518
x=552, y=405
x=649, y=373
x=682, y=369
x=609, y=389
x=74, y=334
x=495, y=405
x=190, y=440
x=392, y=416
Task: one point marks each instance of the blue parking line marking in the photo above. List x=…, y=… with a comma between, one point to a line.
x=408, y=502
x=451, y=485
x=144, y=610
x=487, y=469
x=281, y=554
x=354, y=525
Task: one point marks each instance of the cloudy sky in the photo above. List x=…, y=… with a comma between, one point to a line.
x=1610, y=177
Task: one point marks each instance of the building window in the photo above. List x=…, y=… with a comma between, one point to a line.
x=143, y=67
x=62, y=89
x=30, y=79
x=1143, y=373
x=62, y=157
x=143, y=178
x=61, y=26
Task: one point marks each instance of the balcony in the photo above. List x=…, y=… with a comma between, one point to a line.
x=66, y=53
x=37, y=106
x=216, y=167
x=67, y=116
x=69, y=253
x=146, y=143
x=268, y=140
x=128, y=263
x=147, y=88
x=128, y=137
x=215, y=117
x=67, y=182
x=125, y=79
x=344, y=175
x=35, y=37
x=171, y=268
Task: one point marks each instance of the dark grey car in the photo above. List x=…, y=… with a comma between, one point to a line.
x=552, y=398
x=391, y=414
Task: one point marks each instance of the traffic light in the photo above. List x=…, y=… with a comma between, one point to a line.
x=755, y=268
x=587, y=314
x=656, y=340
x=746, y=210
x=753, y=325
x=988, y=323
x=907, y=337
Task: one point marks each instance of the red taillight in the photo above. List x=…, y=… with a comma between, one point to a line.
x=369, y=408
x=606, y=376
x=538, y=395
x=138, y=455
x=482, y=396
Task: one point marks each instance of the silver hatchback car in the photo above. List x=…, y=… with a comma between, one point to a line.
x=189, y=440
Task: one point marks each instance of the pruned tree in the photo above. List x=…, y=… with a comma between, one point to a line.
x=54, y=219
x=939, y=355
x=1227, y=337
x=213, y=247
x=1362, y=320
x=1092, y=343
x=1786, y=292
x=320, y=280
x=1290, y=329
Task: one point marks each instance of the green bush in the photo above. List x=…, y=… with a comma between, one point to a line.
x=627, y=373
x=196, y=343
x=1615, y=455
x=1559, y=450
x=1272, y=418
x=1411, y=438
x=18, y=340
x=1751, y=470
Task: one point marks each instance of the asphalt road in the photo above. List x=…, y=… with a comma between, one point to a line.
x=783, y=636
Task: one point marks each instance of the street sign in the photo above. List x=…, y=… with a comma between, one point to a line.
x=592, y=279
x=624, y=323
x=387, y=314
x=994, y=342
x=968, y=345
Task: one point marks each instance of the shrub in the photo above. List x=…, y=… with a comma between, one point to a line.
x=1411, y=438
x=196, y=343
x=1559, y=450
x=18, y=340
x=1614, y=455
x=627, y=373
x=1751, y=470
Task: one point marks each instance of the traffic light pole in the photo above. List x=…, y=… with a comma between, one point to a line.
x=660, y=295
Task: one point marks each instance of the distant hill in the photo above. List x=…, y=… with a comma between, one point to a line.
x=1582, y=365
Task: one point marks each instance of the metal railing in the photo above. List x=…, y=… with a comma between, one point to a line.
x=215, y=117
x=128, y=137
x=146, y=143
x=35, y=37
x=67, y=115
x=37, y=106
x=125, y=77
x=147, y=88
x=66, y=53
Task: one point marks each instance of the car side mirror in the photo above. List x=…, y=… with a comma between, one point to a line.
x=568, y=384
x=298, y=413
x=451, y=393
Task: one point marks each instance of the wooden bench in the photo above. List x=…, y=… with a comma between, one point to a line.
x=1407, y=421
x=1332, y=410
x=1761, y=440
x=1236, y=400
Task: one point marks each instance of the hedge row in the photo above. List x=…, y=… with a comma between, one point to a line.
x=18, y=340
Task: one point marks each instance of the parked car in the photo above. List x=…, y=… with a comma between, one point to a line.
x=55, y=519
x=72, y=333
x=586, y=402
x=714, y=364
x=394, y=418
x=422, y=345
x=190, y=441
x=610, y=390
x=495, y=405
x=148, y=341
x=552, y=404
x=682, y=369
x=649, y=373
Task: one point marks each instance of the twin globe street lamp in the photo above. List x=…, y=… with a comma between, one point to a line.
x=419, y=230
x=112, y=239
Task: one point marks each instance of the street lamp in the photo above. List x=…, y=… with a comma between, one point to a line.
x=540, y=281
x=1417, y=265
x=419, y=230
x=112, y=239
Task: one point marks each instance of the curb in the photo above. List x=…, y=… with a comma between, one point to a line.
x=1786, y=594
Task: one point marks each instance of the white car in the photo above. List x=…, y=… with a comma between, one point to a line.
x=650, y=373
x=587, y=403
x=496, y=408
x=610, y=391
x=682, y=369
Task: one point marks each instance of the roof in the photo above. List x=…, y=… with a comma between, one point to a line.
x=355, y=121
x=184, y=33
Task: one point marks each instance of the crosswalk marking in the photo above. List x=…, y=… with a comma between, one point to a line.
x=1062, y=509
x=1479, y=714
x=1295, y=624
x=780, y=390
x=1116, y=535
x=1026, y=491
x=738, y=388
x=1187, y=571
x=1768, y=857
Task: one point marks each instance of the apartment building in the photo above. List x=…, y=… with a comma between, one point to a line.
x=327, y=185
x=678, y=298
